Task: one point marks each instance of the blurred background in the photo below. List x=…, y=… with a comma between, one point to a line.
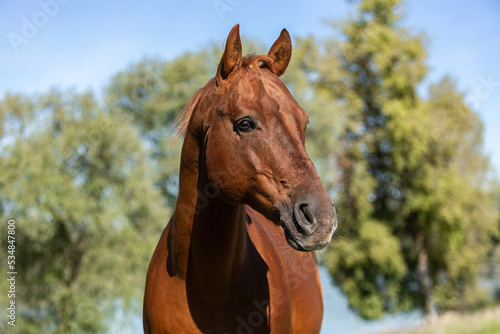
x=403, y=100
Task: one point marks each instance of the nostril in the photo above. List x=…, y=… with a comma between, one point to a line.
x=304, y=209
x=304, y=219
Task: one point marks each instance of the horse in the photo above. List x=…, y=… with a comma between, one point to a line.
x=237, y=254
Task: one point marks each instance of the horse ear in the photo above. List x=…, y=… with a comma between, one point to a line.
x=281, y=52
x=232, y=54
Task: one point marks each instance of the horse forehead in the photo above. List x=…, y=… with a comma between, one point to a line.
x=263, y=92
x=249, y=90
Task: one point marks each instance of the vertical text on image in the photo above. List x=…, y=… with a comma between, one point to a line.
x=11, y=271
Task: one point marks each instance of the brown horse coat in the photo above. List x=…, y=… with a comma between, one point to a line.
x=235, y=256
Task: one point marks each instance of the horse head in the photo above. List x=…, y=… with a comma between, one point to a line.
x=253, y=133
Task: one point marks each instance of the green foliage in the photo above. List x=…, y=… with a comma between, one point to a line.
x=465, y=213
x=76, y=180
x=374, y=255
x=413, y=166
x=483, y=322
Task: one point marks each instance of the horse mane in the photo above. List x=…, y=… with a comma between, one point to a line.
x=248, y=62
x=182, y=121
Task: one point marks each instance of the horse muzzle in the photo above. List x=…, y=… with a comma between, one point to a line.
x=309, y=223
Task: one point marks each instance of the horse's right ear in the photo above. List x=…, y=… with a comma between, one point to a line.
x=231, y=58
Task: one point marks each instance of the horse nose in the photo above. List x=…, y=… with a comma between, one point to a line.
x=310, y=214
x=306, y=222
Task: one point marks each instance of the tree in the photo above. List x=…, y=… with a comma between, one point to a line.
x=76, y=181
x=463, y=208
x=415, y=184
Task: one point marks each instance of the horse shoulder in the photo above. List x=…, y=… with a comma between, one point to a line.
x=165, y=300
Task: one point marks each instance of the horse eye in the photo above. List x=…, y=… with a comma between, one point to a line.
x=244, y=125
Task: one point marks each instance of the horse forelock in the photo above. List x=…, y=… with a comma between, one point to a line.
x=255, y=61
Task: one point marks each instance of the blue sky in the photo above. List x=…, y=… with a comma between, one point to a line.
x=83, y=43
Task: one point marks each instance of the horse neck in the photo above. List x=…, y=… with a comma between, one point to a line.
x=208, y=234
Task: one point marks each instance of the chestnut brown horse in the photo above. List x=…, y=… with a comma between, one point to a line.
x=236, y=255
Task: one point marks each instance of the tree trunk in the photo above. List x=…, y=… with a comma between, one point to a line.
x=425, y=280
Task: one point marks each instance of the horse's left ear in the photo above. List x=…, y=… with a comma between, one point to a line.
x=281, y=52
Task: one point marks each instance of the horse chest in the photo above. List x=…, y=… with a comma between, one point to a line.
x=277, y=293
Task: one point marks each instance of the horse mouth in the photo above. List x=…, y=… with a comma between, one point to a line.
x=291, y=240
x=305, y=230
x=294, y=235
